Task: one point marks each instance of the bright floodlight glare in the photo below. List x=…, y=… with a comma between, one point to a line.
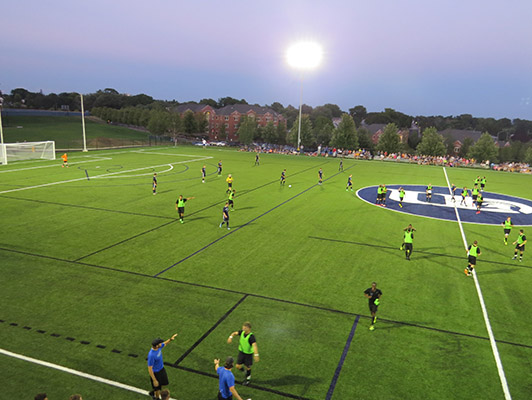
x=304, y=55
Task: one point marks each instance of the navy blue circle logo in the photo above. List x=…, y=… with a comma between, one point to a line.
x=495, y=208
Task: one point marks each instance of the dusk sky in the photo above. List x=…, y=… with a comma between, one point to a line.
x=420, y=57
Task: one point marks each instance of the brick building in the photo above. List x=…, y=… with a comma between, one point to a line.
x=228, y=118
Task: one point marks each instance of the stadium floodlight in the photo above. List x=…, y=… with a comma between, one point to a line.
x=83, y=124
x=303, y=56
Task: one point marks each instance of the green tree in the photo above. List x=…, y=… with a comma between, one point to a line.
x=307, y=139
x=484, y=149
x=466, y=146
x=364, y=139
x=268, y=133
x=358, y=113
x=431, y=143
x=528, y=155
x=281, y=133
x=223, y=132
x=202, y=122
x=159, y=122
x=345, y=135
x=323, y=130
x=389, y=140
x=189, y=123
x=247, y=129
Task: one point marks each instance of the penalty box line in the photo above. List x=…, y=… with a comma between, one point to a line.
x=493, y=343
x=74, y=372
x=110, y=174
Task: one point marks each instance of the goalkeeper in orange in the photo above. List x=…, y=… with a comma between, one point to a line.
x=65, y=160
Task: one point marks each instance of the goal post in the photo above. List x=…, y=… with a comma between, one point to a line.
x=27, y=151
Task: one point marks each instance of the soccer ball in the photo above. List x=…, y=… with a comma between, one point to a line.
x=289, y=185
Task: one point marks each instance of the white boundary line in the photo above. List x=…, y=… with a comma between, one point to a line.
x=75, y=372
x=100, y=176
x=494, y=349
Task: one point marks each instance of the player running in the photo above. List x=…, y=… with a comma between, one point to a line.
x=508, y=225
x=428, y=193
x=320, y=177
x=480, y=199
x=283, y=177
x=154, y=184
x=225, y=215
x=203, y=174
x=257, y=159
x=520, y=245
x=473, y=251
x=349, y=183
x=229, y=181
x=230, y=200
x=474, y=193
x=341, y=166
x=482, y=183
x=453, y=190
x=65, y=160
x=373, y=295
x=408, y=241
x=464, y=196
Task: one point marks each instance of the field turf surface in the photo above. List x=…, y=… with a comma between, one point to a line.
x=94, y=267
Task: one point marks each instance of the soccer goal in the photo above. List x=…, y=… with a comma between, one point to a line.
x=26, y=151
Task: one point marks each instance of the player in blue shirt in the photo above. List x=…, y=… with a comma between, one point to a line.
x=158, y=375
x=226, y=382
x=225, y=213
x=349, y=183
x=220, y=168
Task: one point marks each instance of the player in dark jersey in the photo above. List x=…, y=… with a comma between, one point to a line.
x=257, y=159
x=283, y=177
x=225, y=215
x=373, y=295
x=520, y=245
x=203, y=174
x=320, y=177
x=349, y=183
x=180, y=206
x=219, y=168
x=473, y=251
x=341, y=166
x=453, y=190
x=154, y=184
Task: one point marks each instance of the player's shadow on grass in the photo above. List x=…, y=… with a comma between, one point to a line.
x=194, y=218
x=289, y=380
x=498, y=271
x=243, y=208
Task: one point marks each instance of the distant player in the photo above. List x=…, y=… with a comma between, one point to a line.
x=65, y=160
x=508, y=225
x=384, y=193
x=477, y=180
x=379, y=196
x=482, y=183
x=349, y=183
x=219, y=168
x=473, y=252
x=520, y=245
x=180, y=206
x=428, y=193
x=480, y=200
x=230, y=200
x=401, y=196
x=453, y=190
x=283, y=177
x=341, y=166
x=203, y=174
x=408, y=240
x=154, y=184
x=257, y=159
x=464, y=196
x=373, y=295
x=229, y=181
x=225, y=216
x=320, y=177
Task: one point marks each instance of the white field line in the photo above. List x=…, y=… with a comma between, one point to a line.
x=494, y=348
x=169, y=154
x=97, y=176
x=75, y=372
x=58, y=164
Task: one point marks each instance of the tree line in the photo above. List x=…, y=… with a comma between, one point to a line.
x=317, y=127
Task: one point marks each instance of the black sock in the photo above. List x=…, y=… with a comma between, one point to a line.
x=248, y=373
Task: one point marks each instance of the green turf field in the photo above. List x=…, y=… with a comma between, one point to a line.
x=67, y=132
x=94, y=268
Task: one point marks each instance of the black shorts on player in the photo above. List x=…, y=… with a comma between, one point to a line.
x=507, y=231
x=472, y=260
x=373, y=307
x=474, y=196
x=520, y=248
x=246, y=359
x=161, y=377
x=180, y=210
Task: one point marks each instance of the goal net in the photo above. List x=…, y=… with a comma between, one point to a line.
x=26, y=151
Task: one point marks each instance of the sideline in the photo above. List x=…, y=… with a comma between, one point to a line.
x=494, y=348
x=75, y=372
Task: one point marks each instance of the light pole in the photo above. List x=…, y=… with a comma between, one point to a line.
x=83, y=124
x=303, y=56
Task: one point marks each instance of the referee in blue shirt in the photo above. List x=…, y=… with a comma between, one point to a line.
x=226, y=380
x=158, y=377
